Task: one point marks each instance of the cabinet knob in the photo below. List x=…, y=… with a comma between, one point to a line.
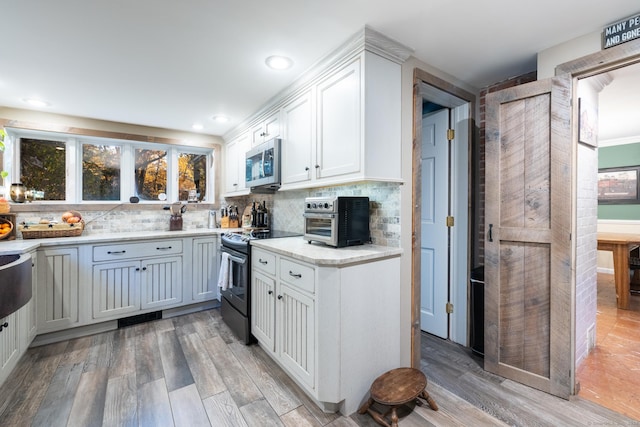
x=317, y=166
x=306, y=168
x=4, y=325
x=279, y=296
x=270, y=292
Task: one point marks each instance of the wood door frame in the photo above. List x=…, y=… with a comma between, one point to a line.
x=419, y=77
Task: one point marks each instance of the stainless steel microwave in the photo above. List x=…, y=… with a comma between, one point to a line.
x=262, y=169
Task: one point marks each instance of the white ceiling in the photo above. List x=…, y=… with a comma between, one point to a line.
x=170, y=63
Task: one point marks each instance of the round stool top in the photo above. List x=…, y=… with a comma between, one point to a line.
x=398, y=386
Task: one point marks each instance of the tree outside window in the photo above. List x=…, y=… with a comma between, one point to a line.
x=192, y=175
x=43, y=167
x=101, y=175
x=150, y=173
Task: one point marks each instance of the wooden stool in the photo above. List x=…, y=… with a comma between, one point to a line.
x=394, y=389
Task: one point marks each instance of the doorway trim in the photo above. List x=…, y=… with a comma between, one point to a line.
x=420, y=77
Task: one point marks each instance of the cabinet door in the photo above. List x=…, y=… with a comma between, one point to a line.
x=204, y=284
x=28, y=319
x=263, y=309
x=339, y=139
x=266, y=130
x=161, y=282
x=9, y=345
x=296, y=338
x=235, y=164
x=115, y=289
x=297, y=140
x=57, y=295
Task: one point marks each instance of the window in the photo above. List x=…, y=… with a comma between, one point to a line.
x=43, y=167
x=192, y=176
x=151, y=173
x=93, y=169
x=101, y=172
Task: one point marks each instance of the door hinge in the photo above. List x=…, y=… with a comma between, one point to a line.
x=450, y=221
x=449, y=308
x=451, y=134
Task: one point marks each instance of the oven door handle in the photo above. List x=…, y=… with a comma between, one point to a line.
x=319, y=215
x=237, y=260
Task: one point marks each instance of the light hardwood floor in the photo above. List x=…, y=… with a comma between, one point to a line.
x=192, y=371
x=610, y=375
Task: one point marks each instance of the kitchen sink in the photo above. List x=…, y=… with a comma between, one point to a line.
x=15, y=282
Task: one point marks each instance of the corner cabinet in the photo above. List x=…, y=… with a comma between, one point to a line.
x=319, y=322
x=346, y=127
x=235, y=166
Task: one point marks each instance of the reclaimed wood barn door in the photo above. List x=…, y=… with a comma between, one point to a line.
x=528, y=235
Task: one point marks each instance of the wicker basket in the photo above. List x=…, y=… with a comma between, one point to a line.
x=5, y=207
x=5, y=235
x=45, y=231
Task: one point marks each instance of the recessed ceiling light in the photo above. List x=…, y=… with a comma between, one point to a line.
x=34, y=102
x=220, y=118
x=279, y=62
x=197, y=126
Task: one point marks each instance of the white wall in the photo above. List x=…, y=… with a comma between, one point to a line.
x=550, y=58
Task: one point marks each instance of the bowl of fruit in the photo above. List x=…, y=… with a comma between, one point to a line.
x=6, y=227
x=71, y=217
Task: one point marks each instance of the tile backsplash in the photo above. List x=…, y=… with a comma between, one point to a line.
x=286, y=208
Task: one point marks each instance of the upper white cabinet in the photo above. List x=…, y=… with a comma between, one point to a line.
x=235, y=166
x=341, y=122
x=298, y=139
x=266, y=129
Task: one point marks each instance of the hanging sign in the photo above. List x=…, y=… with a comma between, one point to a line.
x=621, y=32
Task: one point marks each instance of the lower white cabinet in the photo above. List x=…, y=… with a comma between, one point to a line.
x=320, y=322
x=18, y=330
x=204, y=269
x=57, y=291
x=133, y=284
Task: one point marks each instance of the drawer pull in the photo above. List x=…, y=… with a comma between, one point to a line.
x=116, y=252
x=296, y=275
x=261, y=261
x=163, y=248
x=4, y=325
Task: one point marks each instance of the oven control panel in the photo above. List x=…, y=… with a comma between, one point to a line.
x=320, y=204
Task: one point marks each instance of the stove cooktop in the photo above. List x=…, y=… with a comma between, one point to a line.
x=235, y=240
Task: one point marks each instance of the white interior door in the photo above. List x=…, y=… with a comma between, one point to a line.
x=434, y=234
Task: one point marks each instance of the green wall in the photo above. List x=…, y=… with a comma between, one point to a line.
x=613, y=157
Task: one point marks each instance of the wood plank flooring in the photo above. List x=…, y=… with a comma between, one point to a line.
x=192, y=371
x=610, y=375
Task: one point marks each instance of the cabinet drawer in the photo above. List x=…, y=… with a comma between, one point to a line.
x=137, y=250
x=264, y=261
x=299, y=275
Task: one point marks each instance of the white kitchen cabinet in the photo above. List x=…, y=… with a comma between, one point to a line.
x=298, y=139
x=354, y=131
x=146, y=276
x=329, y=317
x=283, y=312
x=115, y=289
x=28, y=312
x=204, y=280
x=161, y=282
x=235, y=163
x=57, y=291
x=9, y=345
x=266, y=129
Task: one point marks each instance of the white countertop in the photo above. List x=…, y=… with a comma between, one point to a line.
x=25, y=245
x=323, y=255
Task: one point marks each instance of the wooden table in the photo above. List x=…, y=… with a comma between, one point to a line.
x=395, y=388
x=620, y=244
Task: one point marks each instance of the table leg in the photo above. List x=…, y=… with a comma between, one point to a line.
x=432, y=403
x=621, y=274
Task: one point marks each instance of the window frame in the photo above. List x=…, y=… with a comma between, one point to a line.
x=73, y=173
